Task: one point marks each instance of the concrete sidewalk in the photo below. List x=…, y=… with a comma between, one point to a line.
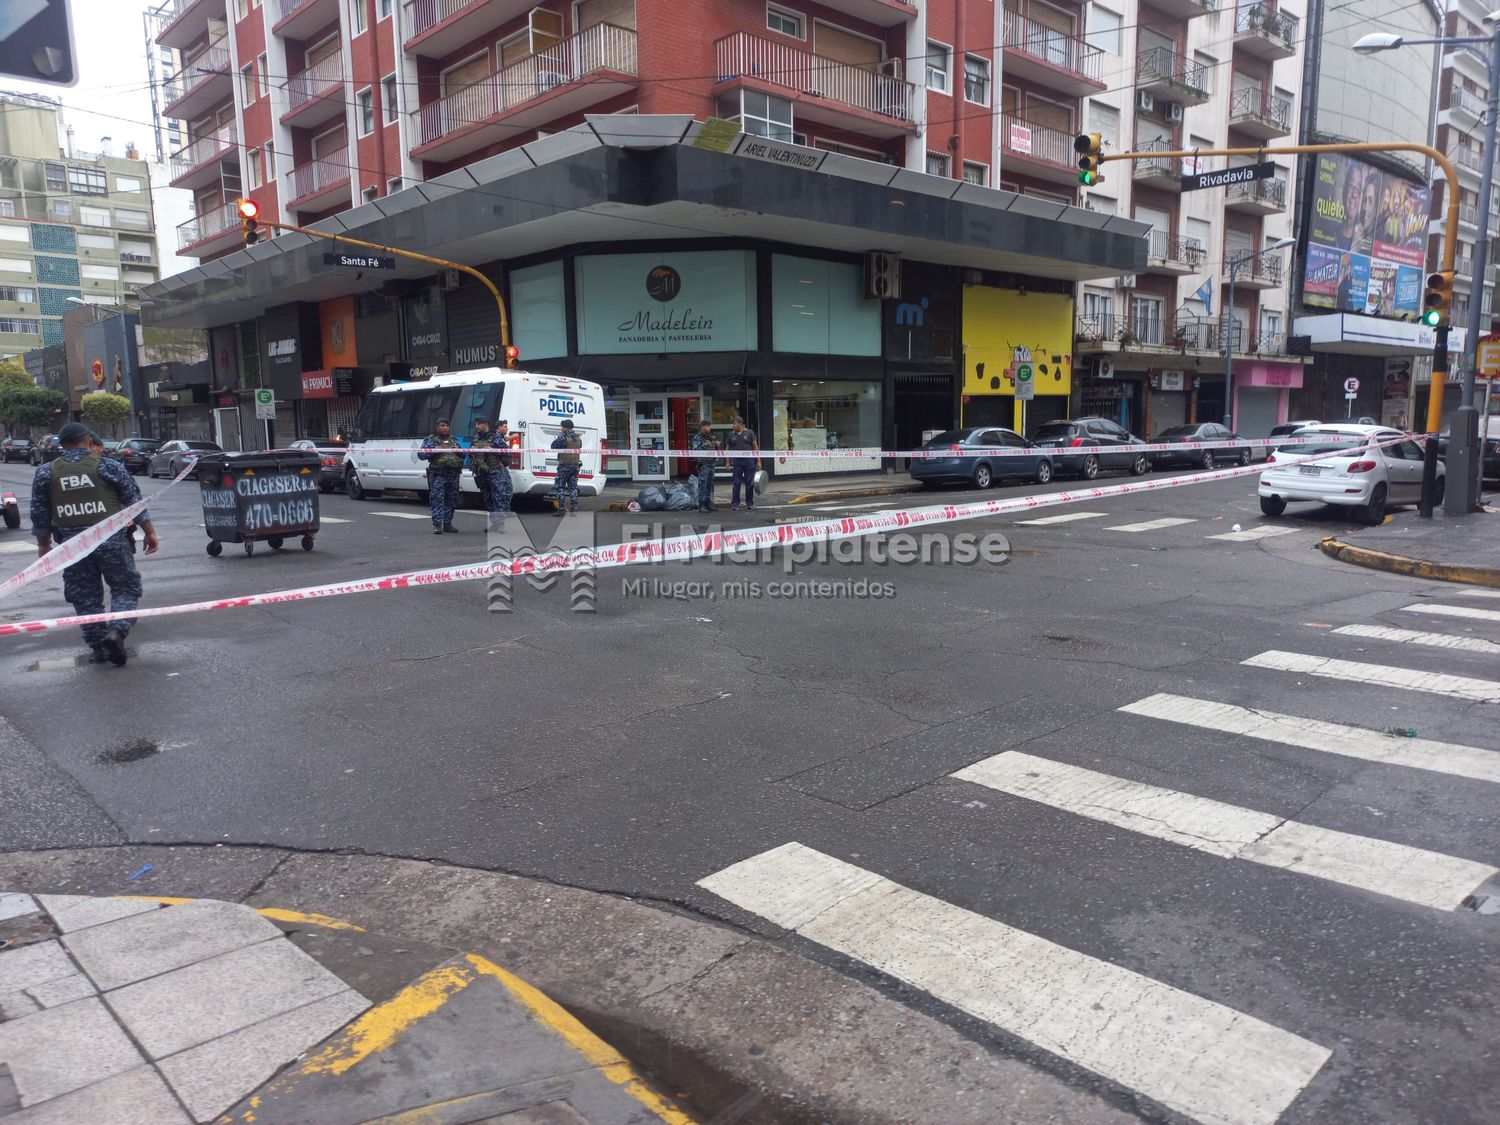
x=132, y=1010
x=791, y=490
x=1464, y=549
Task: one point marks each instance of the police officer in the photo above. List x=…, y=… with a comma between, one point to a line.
x=96, y=447
x=704, y=440
x=494, y=469
x=566, y=488
x=742, y=469
x=482, y=437
x=70, y=495
x=445, y=465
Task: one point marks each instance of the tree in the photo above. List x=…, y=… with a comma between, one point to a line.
x=102, y=409
x=29, y=407
x=13, y=373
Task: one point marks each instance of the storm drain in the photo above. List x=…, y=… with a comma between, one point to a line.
x=132, y=751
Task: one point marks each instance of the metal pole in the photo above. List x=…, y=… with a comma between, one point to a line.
x=1234, y=265
x=1463, y=428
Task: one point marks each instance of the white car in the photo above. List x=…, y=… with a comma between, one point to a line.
x=1365, y=479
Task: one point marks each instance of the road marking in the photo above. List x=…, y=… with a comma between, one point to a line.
x=1197, y=1056
x=1264, y=531
x=1150, y=525
x=1062, y=517
x=1474, y=593
x=1455, y=687
x=331, y=519
x=1330, y=738
x=1230, y=832
x=1466, y=612
x=1411, y=637
x=18, y=548
x=405, y=515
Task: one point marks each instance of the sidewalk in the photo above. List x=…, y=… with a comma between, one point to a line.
x=132, y=1010
x=1463, y=549
x=791, y=490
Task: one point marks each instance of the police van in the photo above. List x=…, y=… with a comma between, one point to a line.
x=396, y=419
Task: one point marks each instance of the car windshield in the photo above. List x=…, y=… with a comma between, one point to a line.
x=1054, y=430
x=142, y=445
x=948, y=437
x=1178, y=431
x=206, y=446
x=1329, y=442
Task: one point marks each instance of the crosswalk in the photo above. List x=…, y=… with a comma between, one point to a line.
x=1198, y=1056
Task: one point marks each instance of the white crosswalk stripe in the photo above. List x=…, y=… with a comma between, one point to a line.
x=1330, y=738
x=1230, y=832
x=1464, y=612
x=1249, y=534
x=1383, y=675
x=1062, y=517
x=1412, y=637
x=1473, y=593
x=1194, y=1055
x=404, y=515
x=27, y=548
x=1150, y=525
x=332, y=519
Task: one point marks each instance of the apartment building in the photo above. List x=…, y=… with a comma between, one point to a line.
x=75, y=227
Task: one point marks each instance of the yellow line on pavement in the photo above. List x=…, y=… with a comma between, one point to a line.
x=274, y=913
x=380, y=1027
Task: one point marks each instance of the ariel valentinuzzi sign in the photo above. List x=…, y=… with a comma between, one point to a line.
x=699, y=301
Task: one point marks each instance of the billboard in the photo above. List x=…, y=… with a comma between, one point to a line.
x=1367, y=241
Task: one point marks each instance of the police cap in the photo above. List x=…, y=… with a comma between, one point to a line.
x=71, y=433
x=566, y=423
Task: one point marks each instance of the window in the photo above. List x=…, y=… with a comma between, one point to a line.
x=16, y=265
x=364, y=102
x=8, y=208
x=976, y=80
x=357, y=10
x=759, y=114
x=386, y=8
x=93, y=217
x=388, y=98
x=20, y=326
x=100, y=273
x=1270, y=330
x=1105, y=120
x=88, y=181
x=392, y=186
x=788, y=23
x=1207, y=64
x=127, y=183
x=369, y=194
x=937, y=163
x=1098, y=306
x=265, y=76
x=16, y=293
x=1102, y=204
x=938, y=58
x=976, y=173
x=129, y=217
x=1200, y=232
x=247, y=83
x=1104, y=29
x=14, y=232
x=61, y=210
x=270, y=161
x=252, y=169
x=1146, y=319
x=57, y=177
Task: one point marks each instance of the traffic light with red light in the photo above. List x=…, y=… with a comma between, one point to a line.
x=512, y=355
x=1086, y=145
x=249, y=212
x=1437, y=301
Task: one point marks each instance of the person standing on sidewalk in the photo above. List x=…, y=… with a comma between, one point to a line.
x=493, y=467
x=445, y=466
x=703, y=441
x=71, y=495
x=568, y=461
x=482, y=439
x=742, y=469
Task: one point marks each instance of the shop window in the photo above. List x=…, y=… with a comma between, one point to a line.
x=538, y=307
x=819, y=308
x=813, y=415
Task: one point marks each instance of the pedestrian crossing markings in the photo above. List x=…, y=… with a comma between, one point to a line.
x=1353, y=671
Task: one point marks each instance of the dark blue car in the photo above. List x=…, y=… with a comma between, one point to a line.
x=970, y=465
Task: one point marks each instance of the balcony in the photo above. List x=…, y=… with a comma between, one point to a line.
x=1172, y=255
x=1037, y=150
x=435, y=28
x=1254, y=271
x=1172, y=78
x=196, y=165
x=1161, y=172
x=1044, y=55
x=1264, y=32
x=211, y=232
x=180, y=23
x=1258, y=197
x=202, y=85
x=1468, y=162
x=1464, y=110
x=1138, y=332
x=302, y=19
x=831, y=93
x=1259, y=115
x=566, y=78
x=1463, y=268
x=135, y=257
x=321, y=183
x=1184, y=9
x=316, y=95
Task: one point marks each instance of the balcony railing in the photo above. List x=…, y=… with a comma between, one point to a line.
x=424, y=15
x=1467, y=158
x=1459, y=98
x=1037, y=142
x=204, y=149
x=1170, y=166
x=302, y=88
x=285, y=8
x=1249, y=265
x=601, y=47
x=195, y=71
x=1463, y=267
x=200, y=228
x=1265, y=20
x=133, y=256
x=749, y=56
x=1052, y=46
x=1161, y=65
x=1250, y=102
x=1262, y=191
x=321, y=174
x=1167, y=247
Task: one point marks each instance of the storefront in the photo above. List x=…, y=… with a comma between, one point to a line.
x=1262, y=396
x=1384, y=357
x=1011, y=337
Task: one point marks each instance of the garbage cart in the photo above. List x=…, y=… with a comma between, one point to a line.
x=266, y=497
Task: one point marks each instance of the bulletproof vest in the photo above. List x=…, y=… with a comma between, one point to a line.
x=481, y=460
x=449, y=460
x=79, y=496
x=567, y=456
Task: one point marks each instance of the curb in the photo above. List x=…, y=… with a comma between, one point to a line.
x=1413, y=568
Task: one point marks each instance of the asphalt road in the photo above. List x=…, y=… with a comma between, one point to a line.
x=661, y=740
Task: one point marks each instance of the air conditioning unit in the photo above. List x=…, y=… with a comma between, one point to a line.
x=1173, y=113
x=1105, y=369
x=1144, y=102
x=1127, y=282
x=550, y=80
x=882, y=274
x=891, y=68
x=450, y=280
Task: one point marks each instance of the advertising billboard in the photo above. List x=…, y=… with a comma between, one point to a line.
x=1367, y=242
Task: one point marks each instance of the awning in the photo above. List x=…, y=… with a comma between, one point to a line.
x=1346, y=334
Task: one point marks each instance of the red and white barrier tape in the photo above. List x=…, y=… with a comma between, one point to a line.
x=680, y=548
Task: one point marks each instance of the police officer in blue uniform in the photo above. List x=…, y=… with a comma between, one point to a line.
x=492, y=471
x=445, y=465
x=565, y=488
x=703, y=442
x=71, y=495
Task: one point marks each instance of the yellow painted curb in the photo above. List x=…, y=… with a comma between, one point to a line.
x=1413, y=568
x=274, y=913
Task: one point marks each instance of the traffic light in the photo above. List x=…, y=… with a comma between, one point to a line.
x=249, y=220
x=1086, y=145
x=512, y=355
x=1437, y=302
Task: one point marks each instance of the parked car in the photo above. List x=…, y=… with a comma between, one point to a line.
x=1489, y=439
x=1287, y=429
x=1059, y=436
x=1205, y=458
x=980, y=471
x=45, y=450
x=331, y=461
x=174, y=456
x=1364, y=479
x=15, y=449
x=135, y=453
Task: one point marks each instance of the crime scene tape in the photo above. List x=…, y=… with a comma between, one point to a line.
x=82, y=545
x=682, y=548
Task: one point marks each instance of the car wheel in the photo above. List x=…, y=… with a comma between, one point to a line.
x=1244, y=457
x=356, y=491
x=1043, y=472
x=1439, y=487
x=12, y=517
x=983, y=477
x=1140, y=466
x=1374, y=511
x=1207, y=460
x=1090, y=469
x=1272, y=505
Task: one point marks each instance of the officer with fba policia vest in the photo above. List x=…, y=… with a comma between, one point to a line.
x=445, y=465
x=71, y=495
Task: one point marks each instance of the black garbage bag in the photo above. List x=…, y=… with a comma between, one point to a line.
x=651, y=499
x=680, y=498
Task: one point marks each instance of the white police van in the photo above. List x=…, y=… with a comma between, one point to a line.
x=396, y=419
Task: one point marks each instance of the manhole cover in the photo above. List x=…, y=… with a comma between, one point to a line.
x=132, y=751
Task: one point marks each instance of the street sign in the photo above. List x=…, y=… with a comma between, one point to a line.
x=1226, y=176
x=360, y=261
x=1025, y=384
x=1351, y=385
x=265, y=404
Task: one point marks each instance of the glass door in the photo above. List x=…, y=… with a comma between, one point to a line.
x=649, y=429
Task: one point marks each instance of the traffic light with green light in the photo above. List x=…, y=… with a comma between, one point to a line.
x=1086, y=145
x=1437, y=302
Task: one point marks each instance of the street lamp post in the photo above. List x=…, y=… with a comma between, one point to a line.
x=1227, y=321
x=1464, y=459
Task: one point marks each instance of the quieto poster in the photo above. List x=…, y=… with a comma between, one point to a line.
x=1367, y=242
